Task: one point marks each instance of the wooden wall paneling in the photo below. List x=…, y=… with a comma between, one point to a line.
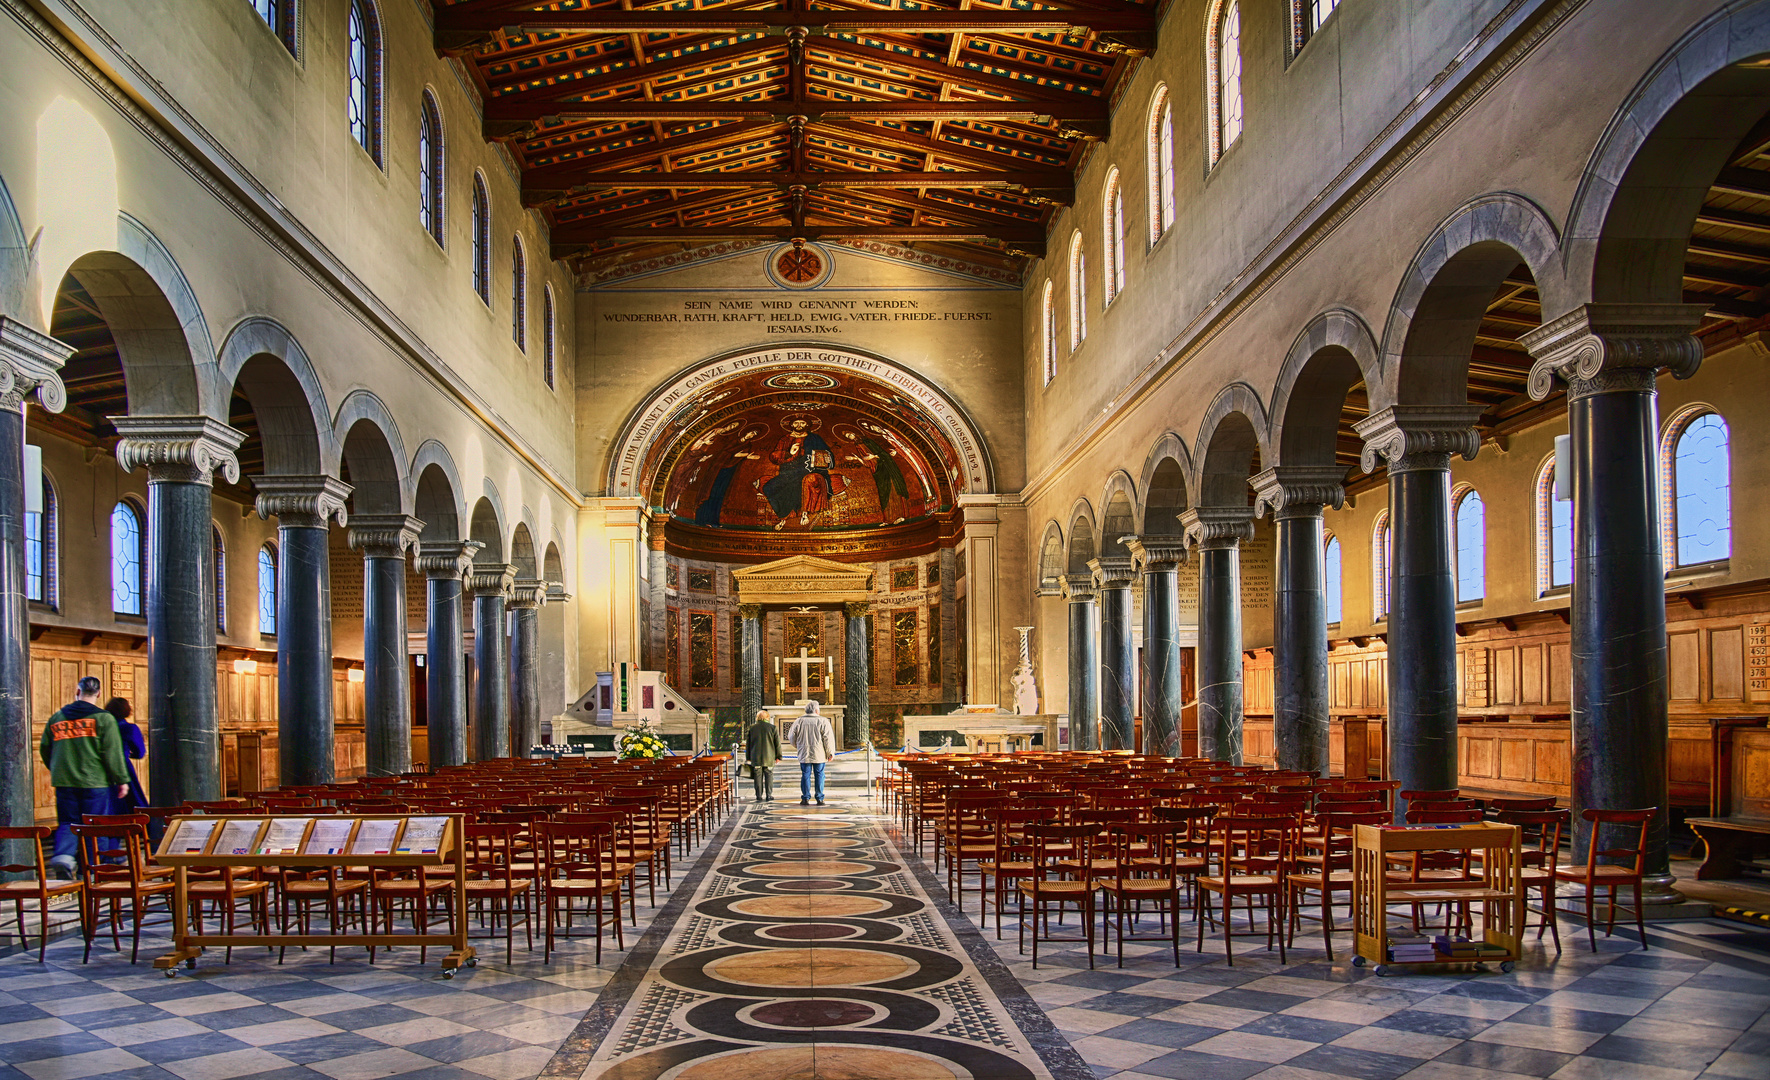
x=1560, y=673
x=1689, y=753
x=1684, y=662
x=1530, y=674
x=1505, y=675
x=1727, y=664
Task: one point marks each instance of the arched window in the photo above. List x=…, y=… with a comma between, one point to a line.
x=1223, y=61
x=126, y=559
x=1330, y=579
x=1697, y=487
x=42, y=534
x=519, y=295
x=267, y=590
x=1113, y=226
x=547, y=335
x=1554, y=533
x=1048, y=334
x=1078, y=293
x=279, y=15
x=364, y=58
x=482, y=240
x=430, y=169
x=220, y=579
x=1471, y=521
x=1307, y=17
x=1161, y=165
x=1380, y=551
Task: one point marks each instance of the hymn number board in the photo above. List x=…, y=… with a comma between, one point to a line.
x=318, y=840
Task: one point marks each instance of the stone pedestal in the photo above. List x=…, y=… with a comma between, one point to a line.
x=1296, y=495
x=1609, y=356
x=526, y=598
x=490, y=584
x=304, y=506
x=1416, y=441
x=1084, y=664
x=1159, y=559
x=444, y=565
x=1217, y=533
x=1118, y=664
x=387, y=692
x=857, y=720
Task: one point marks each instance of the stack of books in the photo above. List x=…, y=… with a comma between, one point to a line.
x=1460, y=948
x=1411, y=951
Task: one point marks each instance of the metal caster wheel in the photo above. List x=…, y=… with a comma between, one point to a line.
x=448, y=973
x=1358, y=961
x=1381, y=970
x=1506, y=966
x=191, y=963
x=172, y=973
x=473, y=961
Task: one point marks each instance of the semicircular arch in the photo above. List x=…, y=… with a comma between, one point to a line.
x=1334, y=352
x=1231, y=436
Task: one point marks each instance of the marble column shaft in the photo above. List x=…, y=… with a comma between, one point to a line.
x=1118, y=659
x=444, y=565
x=1084, y=664
x=1608, y=357
x=29, y=362
x=387, y=687
x=1159, y=559
x=857, y=715
x=304, y=506
x=1217, y=533
x=490, y=585
x=525, y=665
x=1417, y=442
x=1296, y=496
x=750, y=662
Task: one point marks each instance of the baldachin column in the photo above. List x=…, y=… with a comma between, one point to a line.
x=857, y=715
x=749, y=648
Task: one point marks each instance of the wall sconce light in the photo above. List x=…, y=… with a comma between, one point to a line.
x=245, y=667
x=354, y=674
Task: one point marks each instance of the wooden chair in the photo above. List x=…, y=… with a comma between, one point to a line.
x=116, y=873
x=1012, y=857
x=36, y=886
x=1253, y=854
x=1062, y=874
x=1541, y=857
x=1596, y=875
x=1150, y=878
x=492, y=876
x=1330, y=871
x=580, y=864
x=304, y=888
x=226, y=889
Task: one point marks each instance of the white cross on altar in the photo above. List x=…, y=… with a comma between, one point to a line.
x=805, y=662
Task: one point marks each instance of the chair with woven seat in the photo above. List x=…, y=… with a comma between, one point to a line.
x=1595, y=875
x=1146, y=859
x=1063, y=860
x=579, y=863
x=1012, y=857
x=115, y=874
x=1541, y=857
x=300, y=889
x=1253, y=854
x=1330, y=871
x=226, y=889
x=30, y=881
x=493, y=877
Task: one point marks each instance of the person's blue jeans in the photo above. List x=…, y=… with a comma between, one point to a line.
x=71, y=806
x=808, y=770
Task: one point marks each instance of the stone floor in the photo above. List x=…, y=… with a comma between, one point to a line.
x=801, y=943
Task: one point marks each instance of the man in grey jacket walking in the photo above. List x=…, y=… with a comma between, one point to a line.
x=815, y=740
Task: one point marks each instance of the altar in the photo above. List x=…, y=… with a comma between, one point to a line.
x=989, y=729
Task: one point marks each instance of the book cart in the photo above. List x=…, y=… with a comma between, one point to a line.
x=1499, y=887
x=372, y=842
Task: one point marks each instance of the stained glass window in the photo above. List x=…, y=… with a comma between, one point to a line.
x=42, y=528
x=267, y=590
x=547, y=336
x=220, y=580
x=126, y=558
x=1229, y=100
x=1114, y=235
x=1318, y=11
x=1078, y=293
x=1702, y=508
x=430, y=168
x=1380, y=550
x=519, y=292
x=1330, y=579
x=1048, y=336
x=1471, y=519
x=1554, y=530
x=364, y=93
x=482, y=240
x=1161, y=166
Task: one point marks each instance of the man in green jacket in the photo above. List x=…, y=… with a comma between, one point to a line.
x=762, y=748
x=84, y=753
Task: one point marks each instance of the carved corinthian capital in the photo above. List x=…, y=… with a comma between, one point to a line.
x=1217, y=526
x=384, y=536
x=305, y=502
x=491, y=579
x=1409, y=437
x=1599, y=348
x=1298, y=490
x=1156, y=554
x=178, y=449
x=448, y=559
x=30, y=364
x=856, y=609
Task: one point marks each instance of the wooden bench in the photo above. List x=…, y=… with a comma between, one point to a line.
x=1738, y=826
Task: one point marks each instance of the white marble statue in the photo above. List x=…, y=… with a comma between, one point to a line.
x=1026, y=693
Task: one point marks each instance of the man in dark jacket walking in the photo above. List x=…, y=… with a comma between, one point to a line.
x=84, y=753
x=761, y=750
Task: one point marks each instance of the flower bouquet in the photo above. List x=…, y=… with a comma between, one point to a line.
x=640, y=741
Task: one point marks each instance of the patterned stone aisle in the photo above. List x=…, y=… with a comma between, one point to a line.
x=809, y=951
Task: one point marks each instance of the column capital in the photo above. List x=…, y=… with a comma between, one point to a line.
x=309, y=502
x=750, y=611
x=1112, y=572
x=527, y=594
x=556, y=593
x=30, y=365
x=383, y=536
x=448, y=559
x=1078, y=588
x=1601, y=348
x=1298, y=490
x=1156, y=554
x=491, y=579
x=857, y=609
x=654, y=533
x=178, y=449
x=1217, y=526
x=1410, y=437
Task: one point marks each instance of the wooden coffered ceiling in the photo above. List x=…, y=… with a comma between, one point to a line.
x=638, y=125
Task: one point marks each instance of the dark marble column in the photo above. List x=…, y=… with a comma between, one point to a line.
x=749, y=650
x=1084, y=664
x=490, y=584
x=444, y=565
x=304, y=507
x=1417, y=442
x=1113, y=577
x=949, y=625
x=29, y=363
x=1159, y=559
x=526, y=598
x=1296, y=495
x=387, y=688
x=657, y=601
x=1608, y=356
x=857, y=714
x=1217, y=532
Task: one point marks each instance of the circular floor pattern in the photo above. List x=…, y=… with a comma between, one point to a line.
x=808, y=825
x=813, y=1013
x=821, y=1062
x=811, y=931
x=798, y=843
x=811, y=885
x=812, y=967
x=807, y=907
x=817, y=866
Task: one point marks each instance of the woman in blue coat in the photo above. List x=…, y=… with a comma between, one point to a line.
x=134, y=749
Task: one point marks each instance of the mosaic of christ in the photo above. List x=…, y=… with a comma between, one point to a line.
x=802, y=463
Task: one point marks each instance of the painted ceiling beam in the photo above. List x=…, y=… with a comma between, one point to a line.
x=1041, y=180
x=567, y=241
x=500, y=113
